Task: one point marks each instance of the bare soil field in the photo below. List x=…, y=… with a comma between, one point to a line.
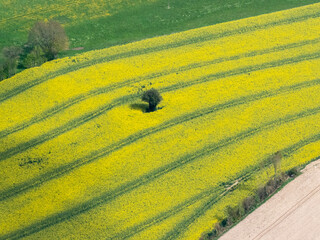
x=293, y=213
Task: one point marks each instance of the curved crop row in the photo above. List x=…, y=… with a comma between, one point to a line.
x=143, y=180
x=102, y=110
x=72, y=101
x=65, y=169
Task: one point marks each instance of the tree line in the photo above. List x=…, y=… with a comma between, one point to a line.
x=45, y=40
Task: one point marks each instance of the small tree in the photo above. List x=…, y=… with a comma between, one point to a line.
x=50, y=37
x=12, y=52
x=276, y=159
x=34, y=58
x=12, y=55
x=152, y=97
x=3, y=75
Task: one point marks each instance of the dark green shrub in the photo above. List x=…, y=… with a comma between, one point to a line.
x=35, y=58
x=293, y=172
x=234, y=214
x=2, y=72
x=218, y=229
x=215, y=232
x=224, y=223
x=208, y=236
x=152, y=97
x=12, y=55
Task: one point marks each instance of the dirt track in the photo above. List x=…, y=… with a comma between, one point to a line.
x=293, y=213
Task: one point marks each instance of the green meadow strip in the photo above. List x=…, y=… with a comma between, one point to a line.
x=33, y=12
x=95, y=155
x=77, y=99
x=154, y=174
x=19, y=89
x=22, y=147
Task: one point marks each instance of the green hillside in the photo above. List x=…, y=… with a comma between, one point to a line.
x=101, y=23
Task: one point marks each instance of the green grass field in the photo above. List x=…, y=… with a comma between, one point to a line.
x=88, y=25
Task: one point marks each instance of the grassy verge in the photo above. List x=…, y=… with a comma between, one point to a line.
x=143, y=20
x=236, y=214
x=156, y=19
x=127, y=22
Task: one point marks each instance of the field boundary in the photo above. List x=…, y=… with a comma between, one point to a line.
x=19, y=89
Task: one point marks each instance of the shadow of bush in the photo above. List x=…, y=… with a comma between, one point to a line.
x=140, y=106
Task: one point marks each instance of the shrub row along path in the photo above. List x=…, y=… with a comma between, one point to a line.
x=292, y=213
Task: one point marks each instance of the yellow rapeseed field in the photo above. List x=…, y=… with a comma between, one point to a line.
x=81, y=159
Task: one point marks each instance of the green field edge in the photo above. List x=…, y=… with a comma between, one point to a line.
x=154, y=174
x=17, y=90
x=95, y=92
x=125, y=99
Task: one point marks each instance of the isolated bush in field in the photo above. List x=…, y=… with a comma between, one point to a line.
x=152, y=97
x=50, y=37
x=35, y=58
